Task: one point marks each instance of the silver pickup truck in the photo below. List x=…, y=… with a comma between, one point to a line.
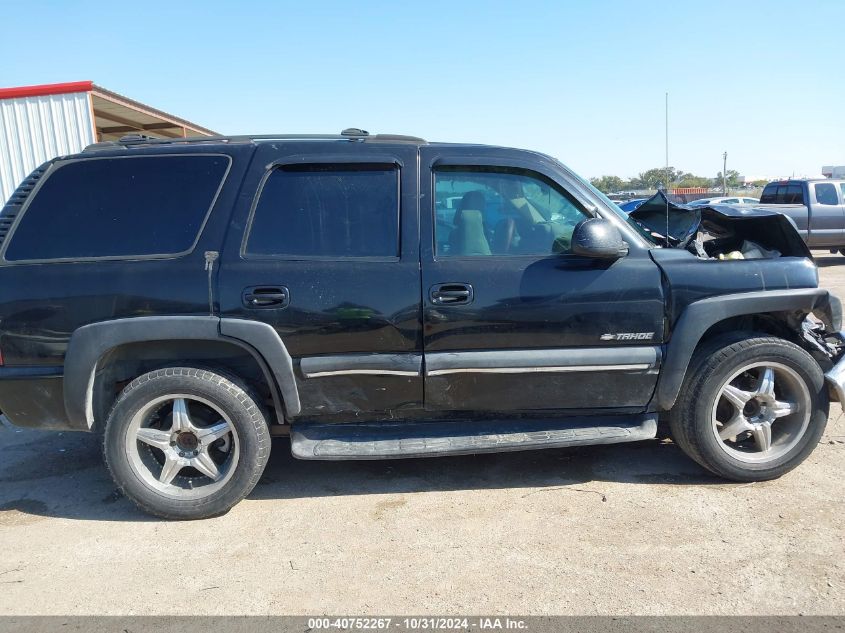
x=816, y=206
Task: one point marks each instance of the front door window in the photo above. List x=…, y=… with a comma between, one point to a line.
x=501, y=212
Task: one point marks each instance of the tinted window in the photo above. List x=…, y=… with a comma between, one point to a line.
x=842, y=188
x=486, y=212
x=731, y=201
x=782, y=194
x=328, y=211
x=794, y=194
x=769, y=195
x=119, y=207
x=826, y=193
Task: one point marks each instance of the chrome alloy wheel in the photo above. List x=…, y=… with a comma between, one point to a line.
x=182, y=446
x=761, y=412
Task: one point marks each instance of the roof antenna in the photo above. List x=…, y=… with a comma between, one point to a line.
x=666, y=187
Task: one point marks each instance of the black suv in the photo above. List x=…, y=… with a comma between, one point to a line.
x=378, y=296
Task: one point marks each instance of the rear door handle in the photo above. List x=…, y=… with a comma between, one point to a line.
x=266, y=297
x=451, y=294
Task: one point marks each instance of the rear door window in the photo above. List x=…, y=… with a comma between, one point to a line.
x=328, y=211
x=118, y=208
x=826, y=193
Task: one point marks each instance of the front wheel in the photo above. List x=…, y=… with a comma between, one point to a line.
x=751, y=409
x=186, y=443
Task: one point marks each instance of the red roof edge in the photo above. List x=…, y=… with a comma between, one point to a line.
x=46, y=89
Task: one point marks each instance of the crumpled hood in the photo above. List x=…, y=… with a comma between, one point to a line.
x=767, y=227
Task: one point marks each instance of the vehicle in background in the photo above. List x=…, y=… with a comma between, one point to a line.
x=630, y=205
x=815, y=205
x=703, y=202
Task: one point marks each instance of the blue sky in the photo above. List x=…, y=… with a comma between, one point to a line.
x=583, y=81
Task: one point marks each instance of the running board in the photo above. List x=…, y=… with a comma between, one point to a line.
x=387, y=440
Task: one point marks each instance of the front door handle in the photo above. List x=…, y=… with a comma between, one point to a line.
x=451, y=294
x=266, y=297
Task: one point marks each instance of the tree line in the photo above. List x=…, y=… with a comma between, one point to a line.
x=657, y=178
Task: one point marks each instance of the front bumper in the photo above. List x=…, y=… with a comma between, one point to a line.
x=835, y=379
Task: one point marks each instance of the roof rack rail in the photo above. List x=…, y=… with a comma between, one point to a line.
x=135, y=138
x=350, y=134
x=398, y=137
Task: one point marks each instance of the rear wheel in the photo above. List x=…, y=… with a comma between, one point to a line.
x=186, y=443
x=751, y=409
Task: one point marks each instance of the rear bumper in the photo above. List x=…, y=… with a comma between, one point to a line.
x=33, y=397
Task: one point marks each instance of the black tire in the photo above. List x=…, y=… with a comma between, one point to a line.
x=248, y=433
x=691, y=419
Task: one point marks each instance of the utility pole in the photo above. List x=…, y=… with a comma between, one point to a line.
x=667, y=143
x=725, y=174
x=666, y=188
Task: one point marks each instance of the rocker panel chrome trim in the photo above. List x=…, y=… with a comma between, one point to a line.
x=617, y=358
x=530, y=370
x=362, y=364
x=362, y=372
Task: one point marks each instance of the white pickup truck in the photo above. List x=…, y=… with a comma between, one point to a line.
x=816, y=206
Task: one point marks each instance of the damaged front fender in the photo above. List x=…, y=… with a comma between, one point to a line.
x=699, y=316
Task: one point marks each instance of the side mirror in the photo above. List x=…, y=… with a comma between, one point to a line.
x=598, y=238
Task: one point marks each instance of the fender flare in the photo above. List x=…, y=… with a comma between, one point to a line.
x=89, y=343
x=699, y=316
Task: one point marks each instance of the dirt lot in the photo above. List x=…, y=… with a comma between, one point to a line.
x=629, y=529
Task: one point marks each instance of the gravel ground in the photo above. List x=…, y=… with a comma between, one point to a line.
x=627, y=529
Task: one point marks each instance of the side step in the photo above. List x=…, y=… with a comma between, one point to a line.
x=386, y=440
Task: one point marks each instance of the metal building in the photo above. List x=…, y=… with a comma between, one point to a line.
x=38, y=123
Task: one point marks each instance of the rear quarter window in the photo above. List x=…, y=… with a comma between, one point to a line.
x=119, y=208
